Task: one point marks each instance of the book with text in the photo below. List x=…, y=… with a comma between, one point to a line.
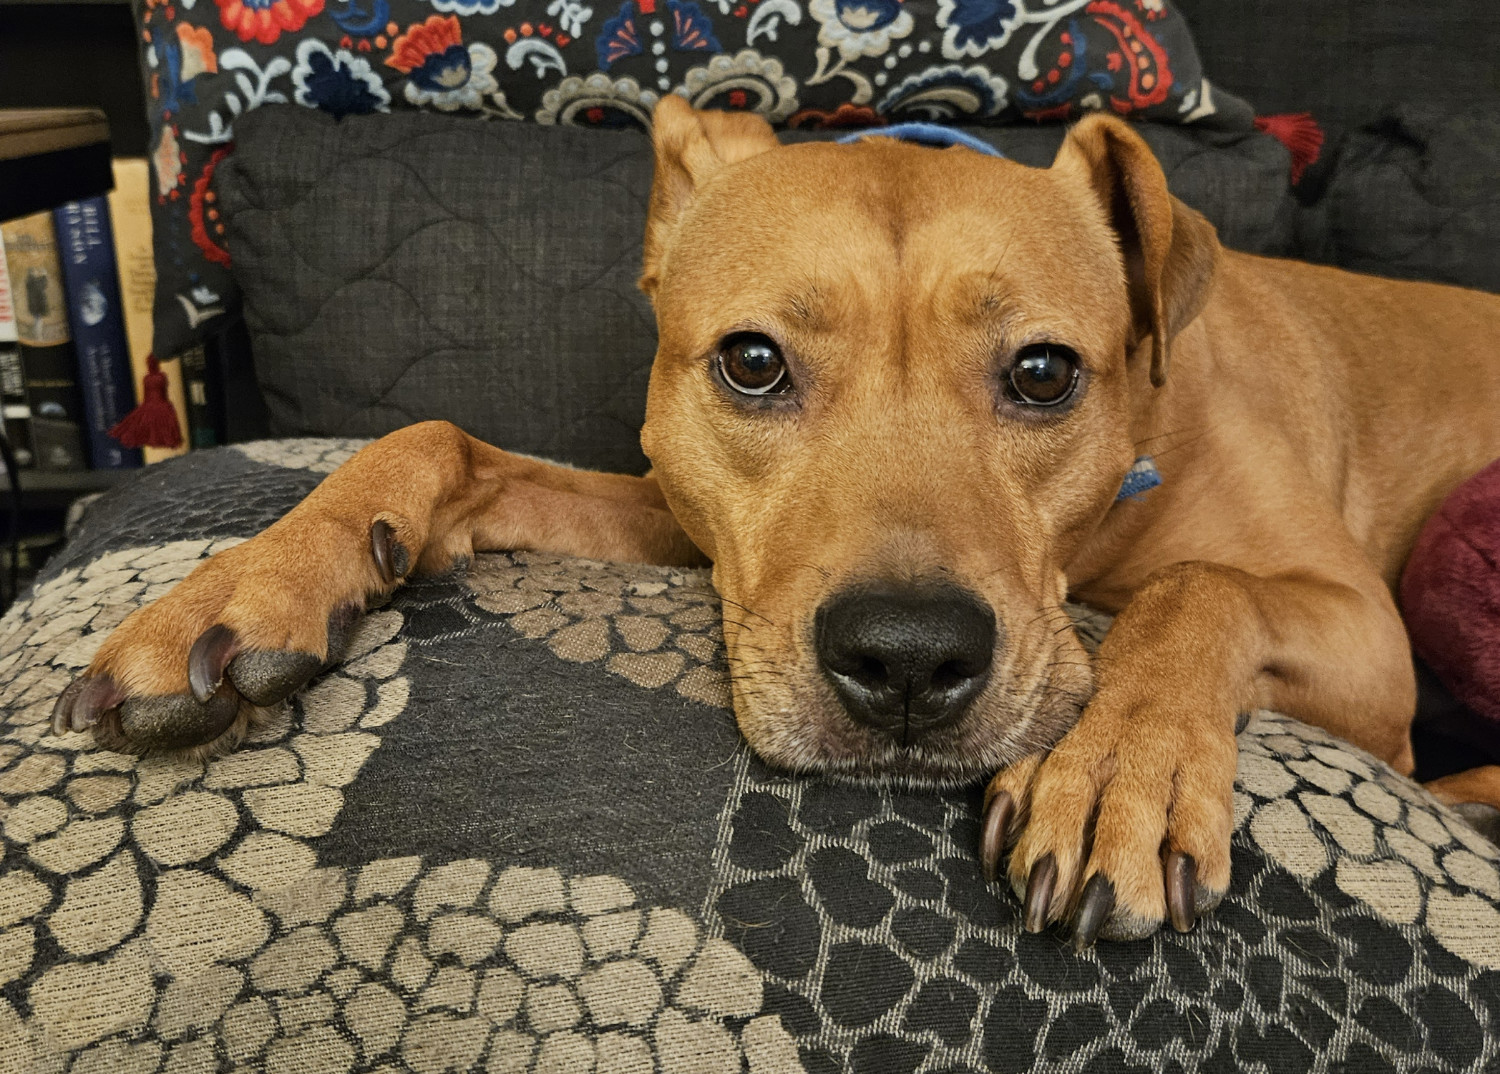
x=15, y=415
x=86, y=249
x=47, y=361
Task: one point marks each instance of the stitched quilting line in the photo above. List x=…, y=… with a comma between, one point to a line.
x=410, y=363
x=279, y=218
x=378, y=272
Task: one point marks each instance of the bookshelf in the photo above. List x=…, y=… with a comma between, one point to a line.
x=43, y=490
x=62, y=53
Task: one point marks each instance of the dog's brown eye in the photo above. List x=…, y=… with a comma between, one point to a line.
x=1044, y=374
x=751, y=364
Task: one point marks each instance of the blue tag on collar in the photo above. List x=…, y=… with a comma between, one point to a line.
x=929, y=134
x=1141, y=477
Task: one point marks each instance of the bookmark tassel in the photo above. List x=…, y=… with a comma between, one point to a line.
x=154, y=422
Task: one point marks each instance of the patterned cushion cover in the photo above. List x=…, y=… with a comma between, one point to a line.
x=517, y=831
x=819, y=63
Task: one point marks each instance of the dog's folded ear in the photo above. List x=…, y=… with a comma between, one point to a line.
x=1170, y=250
x=691, y=148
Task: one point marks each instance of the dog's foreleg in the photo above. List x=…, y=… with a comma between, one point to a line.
x=256, y=621
x=1127, y=821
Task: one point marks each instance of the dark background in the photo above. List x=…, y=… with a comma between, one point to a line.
x=56, y=54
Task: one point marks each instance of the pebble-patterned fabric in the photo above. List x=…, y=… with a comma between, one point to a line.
x=515, y=831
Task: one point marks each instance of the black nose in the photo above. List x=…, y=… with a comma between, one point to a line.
x=906, y=659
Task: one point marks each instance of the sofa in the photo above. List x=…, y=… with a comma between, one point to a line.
x=516, y=829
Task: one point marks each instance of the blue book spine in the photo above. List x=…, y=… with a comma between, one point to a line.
x=86, y=248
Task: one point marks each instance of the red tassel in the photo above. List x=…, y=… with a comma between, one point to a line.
x=154, y=423
x=1300, y=133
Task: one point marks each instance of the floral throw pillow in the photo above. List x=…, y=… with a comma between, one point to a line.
x=605, y=63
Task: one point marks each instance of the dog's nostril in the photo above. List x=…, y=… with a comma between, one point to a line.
x=948, y=675
x=906, y=658
x=871, y=673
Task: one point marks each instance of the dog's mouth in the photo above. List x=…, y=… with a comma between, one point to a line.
x=927, y=691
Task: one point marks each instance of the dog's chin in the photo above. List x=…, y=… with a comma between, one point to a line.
x=979, y=744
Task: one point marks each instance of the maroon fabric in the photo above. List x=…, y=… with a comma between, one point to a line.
x=1450, y=593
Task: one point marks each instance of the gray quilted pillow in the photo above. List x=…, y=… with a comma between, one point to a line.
x=1413, y=195
x=405, y=267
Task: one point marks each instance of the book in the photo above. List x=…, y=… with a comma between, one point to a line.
x=200, y=416
x=86, y=249
x=15, y=415
x=130, y=212
x=47, y=361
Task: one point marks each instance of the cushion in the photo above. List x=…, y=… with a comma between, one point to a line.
x=828, y=63
x=1412, y=195
x=1348, y=60
x=1450, y=594
x=388, y=277
x=517, y=830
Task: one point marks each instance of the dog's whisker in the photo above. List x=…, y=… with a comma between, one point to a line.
x=824, y=571
x=1171, y=432
x=710, y=591
x=747, y=608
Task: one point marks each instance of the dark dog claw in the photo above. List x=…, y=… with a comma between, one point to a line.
x=1094, y=908
x=62, y=709
x=264, y=677
x=391, y=558
x=208, y=658
x=1039, y=887
x=80, y=705
x=1182, y=890
x=1241, y=722
x=992, y=838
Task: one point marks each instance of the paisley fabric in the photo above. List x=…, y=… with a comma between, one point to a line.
x=517, y=830
x=799, y=63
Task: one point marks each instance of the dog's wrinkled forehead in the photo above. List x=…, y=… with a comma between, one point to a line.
x=837, y=233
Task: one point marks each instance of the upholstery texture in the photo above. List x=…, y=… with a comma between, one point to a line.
x=821, y=63
x=1350, y=60
x=389, y=276
x=1414, y=195
x=518, y=831
x=1450, y=594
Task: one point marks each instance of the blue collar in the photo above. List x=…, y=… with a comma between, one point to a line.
x=1140, y=478
x=929, y=134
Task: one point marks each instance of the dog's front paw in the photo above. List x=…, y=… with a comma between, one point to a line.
x=1124, y=824
x=245, y=630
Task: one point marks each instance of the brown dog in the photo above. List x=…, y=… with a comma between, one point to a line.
x=895, y=395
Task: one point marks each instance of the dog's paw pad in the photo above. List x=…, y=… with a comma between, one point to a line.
x=266, y=676
x=169, y=722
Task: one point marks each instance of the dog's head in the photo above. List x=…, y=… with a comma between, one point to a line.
x=892, y=397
